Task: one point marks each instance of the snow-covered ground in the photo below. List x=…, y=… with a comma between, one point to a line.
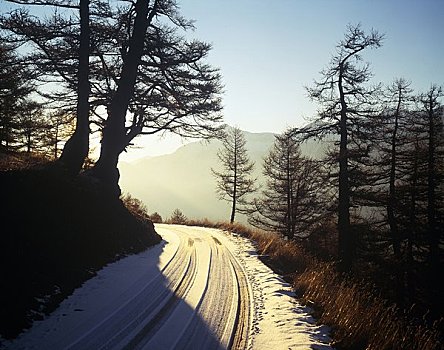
x=279, y=320
x=175, y=293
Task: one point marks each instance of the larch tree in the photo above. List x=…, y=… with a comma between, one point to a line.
x=31, y=127
x=433, y=118
x=60, y=127
x=292, y=201
x=387, y=178
x=345, y=102
x=160, y=84
x=234, y=181
x=145, y=77
x=16, y=84
x=390, y=141
x=76, y=149
x=59, y=50
x=400, y=95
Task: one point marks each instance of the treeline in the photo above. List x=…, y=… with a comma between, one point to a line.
x=374, y=202
x=139, y=209
x=25, y=124
x=396, y=198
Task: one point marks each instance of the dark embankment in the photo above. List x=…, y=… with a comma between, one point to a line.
x=56, y=232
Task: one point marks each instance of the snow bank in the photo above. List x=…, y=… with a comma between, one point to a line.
x=279, y=320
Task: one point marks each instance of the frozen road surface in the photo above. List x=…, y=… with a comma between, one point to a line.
x=200, y=289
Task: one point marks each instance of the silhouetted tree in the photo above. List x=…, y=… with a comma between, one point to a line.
x=31, y=126
x=177, y=217
x=294, y=198
x=234, y=181
x=76, y=149
x=60, y=53
x=160, y=80
x=344, y=100
x=156, y=218
x=387, y=178
x=432, y=111
x=145, y=77
x=59, y=127
x=399, y=91
x=15, y=86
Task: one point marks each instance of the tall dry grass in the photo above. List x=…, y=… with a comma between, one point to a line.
x=21, y=160
x=360, y=318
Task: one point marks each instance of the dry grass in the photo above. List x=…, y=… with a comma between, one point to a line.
x=359, y=317
x=21, y=160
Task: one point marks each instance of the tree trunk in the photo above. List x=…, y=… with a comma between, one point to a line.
x=392, y=190
x=345, y=239
x=28, y=143
x=114, y=138
x=56, y=141
x=233, y=208
x=431, y=195
x=289, y=194
x=233, y=211
x=396, y=241
x=77, y=147
x=412, y=229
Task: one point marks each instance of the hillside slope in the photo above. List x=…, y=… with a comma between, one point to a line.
x=183, y=179
x=56, y=231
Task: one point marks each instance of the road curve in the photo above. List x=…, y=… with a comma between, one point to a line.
x=197, y=296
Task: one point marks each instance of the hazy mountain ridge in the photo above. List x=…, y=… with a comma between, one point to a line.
x=183, y=179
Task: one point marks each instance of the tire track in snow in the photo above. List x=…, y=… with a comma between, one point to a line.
x=196, y=297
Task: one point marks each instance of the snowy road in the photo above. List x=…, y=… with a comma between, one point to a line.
x=201, y=289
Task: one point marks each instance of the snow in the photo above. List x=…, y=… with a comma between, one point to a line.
x=278, y=320
x=97, y=299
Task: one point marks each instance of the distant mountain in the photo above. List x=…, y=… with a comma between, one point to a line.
x=184, y=180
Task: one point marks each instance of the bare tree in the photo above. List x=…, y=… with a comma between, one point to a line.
x=294, y=197
x=391, y=140
x=433, y=112
x=76, y=149
x=31, y=126
x=15, y=87
x=234, y=181
x=144, y=76
x=60, y=126
x=344, y=98
x=60, y=53
x=177, y=217
x=387, y=176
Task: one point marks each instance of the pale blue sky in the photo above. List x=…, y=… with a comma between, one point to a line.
x=269, y=50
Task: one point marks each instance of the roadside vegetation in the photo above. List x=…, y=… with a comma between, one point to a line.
x=360, y=315
x=57, y=231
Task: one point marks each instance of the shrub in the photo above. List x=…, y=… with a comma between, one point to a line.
x=177, y=217
x=156, y=218
x=136, y=207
